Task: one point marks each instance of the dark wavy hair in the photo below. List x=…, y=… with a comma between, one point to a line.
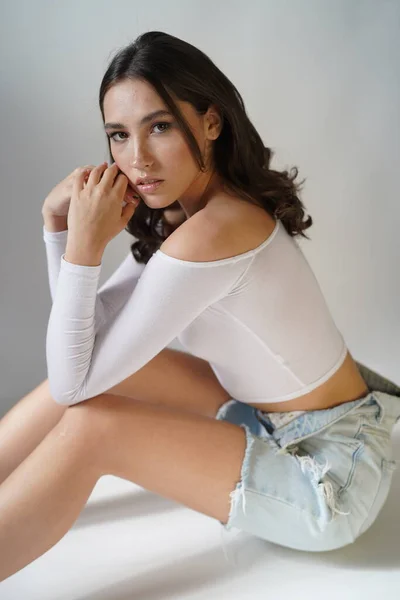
x=240, y=157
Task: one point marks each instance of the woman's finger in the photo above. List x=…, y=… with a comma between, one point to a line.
x=79, y=181
x=96, y=175
x=109, y=176
x=127, y=212
x=121, y=183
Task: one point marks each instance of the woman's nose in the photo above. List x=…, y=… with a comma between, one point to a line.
x=141, y=164
x=141, y=158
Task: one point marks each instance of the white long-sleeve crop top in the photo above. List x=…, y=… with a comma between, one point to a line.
x=259, y=319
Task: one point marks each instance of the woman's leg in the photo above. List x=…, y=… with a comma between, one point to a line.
x=25, y=425
x=173, y=378
x=191, y=459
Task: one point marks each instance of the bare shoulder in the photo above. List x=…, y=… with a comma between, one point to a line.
x=226, y=227
x=194, y=240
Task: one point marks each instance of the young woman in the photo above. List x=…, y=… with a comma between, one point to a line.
x=267, y=424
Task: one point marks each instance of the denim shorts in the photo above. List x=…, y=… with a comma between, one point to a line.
x=315, y=480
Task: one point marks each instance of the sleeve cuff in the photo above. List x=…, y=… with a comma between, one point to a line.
x=55, y=236
x=92, y=271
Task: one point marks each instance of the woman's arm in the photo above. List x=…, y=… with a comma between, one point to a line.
x=112, y=294
x=170, y=294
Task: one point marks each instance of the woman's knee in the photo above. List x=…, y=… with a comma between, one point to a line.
x=86, y=420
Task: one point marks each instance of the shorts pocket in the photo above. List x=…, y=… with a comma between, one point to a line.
x=387, y=469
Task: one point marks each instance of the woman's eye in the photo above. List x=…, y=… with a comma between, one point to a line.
x=158, y=124
x=112, y=136
x=116, y=133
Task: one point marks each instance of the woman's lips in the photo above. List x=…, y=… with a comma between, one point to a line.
x=150, y=187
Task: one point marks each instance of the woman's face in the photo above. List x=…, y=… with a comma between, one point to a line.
x=157, y=147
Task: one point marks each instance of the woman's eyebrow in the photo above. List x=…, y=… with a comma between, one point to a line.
x=144, y=120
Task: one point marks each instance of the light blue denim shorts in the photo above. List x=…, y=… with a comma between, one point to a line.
x=315, y=480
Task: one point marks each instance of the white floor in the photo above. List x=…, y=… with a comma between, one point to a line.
x=132, y=544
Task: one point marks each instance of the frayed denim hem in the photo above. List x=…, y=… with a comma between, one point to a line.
x=239, y=492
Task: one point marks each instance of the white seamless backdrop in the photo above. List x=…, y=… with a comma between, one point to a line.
x=321, y=83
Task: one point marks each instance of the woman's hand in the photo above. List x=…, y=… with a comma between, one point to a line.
x=57, y=202
x=97, y=213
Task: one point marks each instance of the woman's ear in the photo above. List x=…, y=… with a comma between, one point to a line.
x=214, y=121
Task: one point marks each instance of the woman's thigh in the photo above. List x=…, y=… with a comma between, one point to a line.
x=25, y=425
x=177, y=380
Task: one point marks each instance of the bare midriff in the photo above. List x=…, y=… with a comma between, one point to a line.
x=345, y=385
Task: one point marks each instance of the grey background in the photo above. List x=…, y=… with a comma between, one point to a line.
x=321, y=83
